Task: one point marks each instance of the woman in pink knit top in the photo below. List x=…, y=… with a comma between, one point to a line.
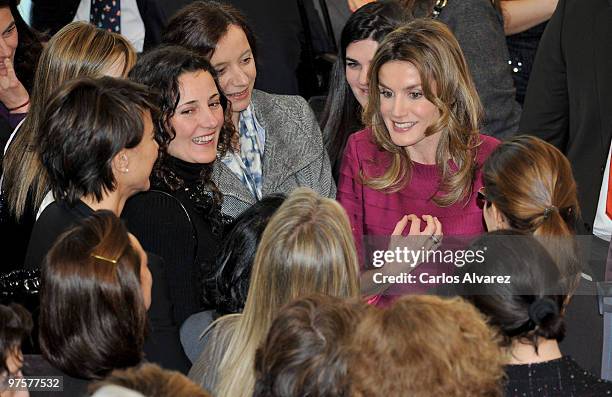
x=416, y=170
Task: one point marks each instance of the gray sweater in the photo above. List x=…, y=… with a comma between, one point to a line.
x=479, y=29
x=294, y=155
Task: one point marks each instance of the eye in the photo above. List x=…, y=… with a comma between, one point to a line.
x=188, y=111
x=9, y=31
x=385, y=93
x=352, y=64
x=220, y=71
x=415, y=94
x=247, y=60
x=214, y=105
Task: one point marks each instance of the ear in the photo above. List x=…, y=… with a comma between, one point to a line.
x=500, y=219
x=121, y=162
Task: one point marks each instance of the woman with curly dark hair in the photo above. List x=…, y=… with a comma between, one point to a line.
x=180, y=219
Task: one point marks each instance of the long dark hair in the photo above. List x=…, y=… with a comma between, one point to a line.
x=342, y=113
x=227, y=289
x=29, y=47
x=160, y=69
x=92, y=311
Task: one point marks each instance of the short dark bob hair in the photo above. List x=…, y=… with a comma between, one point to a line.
x=87, y=122
x=92, y=310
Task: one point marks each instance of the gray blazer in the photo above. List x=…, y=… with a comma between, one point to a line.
x=294, y=154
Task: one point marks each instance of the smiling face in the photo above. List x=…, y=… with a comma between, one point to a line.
x=406, y=112
x=234, y=63
x=359, y=54
x=9, y=37
x=197, y=120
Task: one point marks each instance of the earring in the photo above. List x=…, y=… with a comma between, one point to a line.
x=126, y=171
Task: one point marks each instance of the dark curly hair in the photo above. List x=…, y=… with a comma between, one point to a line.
x=160, y=69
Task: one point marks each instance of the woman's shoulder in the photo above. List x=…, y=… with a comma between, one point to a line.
x=362, y=140
x=266, y=102
x=486, y=146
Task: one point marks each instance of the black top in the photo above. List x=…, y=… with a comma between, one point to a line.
x=36, y=365
x=162, y=343
x=177, y=226
x=555, y=378
x=522, y=48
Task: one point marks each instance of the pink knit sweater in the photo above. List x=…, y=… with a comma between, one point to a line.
x=375, y=213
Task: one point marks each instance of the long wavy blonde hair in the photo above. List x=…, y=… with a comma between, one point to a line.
x=78, y=50
x=306, y=248
x=433, y=50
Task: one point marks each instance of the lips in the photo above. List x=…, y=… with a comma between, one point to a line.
x=203, y=139
x=239, y=95
x=404, y=126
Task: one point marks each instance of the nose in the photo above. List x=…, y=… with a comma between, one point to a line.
x=238, y=77
x=5, y=51
x=363, y=75
x=399, y=106
x=208, y=119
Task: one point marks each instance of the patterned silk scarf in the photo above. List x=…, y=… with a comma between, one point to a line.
x=248, y=166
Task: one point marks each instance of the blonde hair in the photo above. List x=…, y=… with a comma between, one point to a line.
x=306, y=248
x=78, y=50
x=425, y=346
x=433, y=50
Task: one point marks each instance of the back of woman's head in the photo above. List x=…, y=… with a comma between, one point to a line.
x=93, y=316
x=532, y=184
x=306, y=248
x=86, y=123
x=530, y=304
x=77, y=50
x=306, y=352
x=425, y=346
x=342, y=113
x=230, y=283
x=200, y=25
x=15, y=326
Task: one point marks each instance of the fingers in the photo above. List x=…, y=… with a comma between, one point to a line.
x=438, y=231
x=400, y=226
x=415, y=225
x=10, y=71
x=430, y=226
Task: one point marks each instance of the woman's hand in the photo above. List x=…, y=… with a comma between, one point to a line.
x=12, y=93
x=416, y=240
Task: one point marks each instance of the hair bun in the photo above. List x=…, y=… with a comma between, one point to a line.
x=541, y=308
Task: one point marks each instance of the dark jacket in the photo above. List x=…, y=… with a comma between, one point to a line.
x=568, y=100
x=50, y=16
x=162, y=344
